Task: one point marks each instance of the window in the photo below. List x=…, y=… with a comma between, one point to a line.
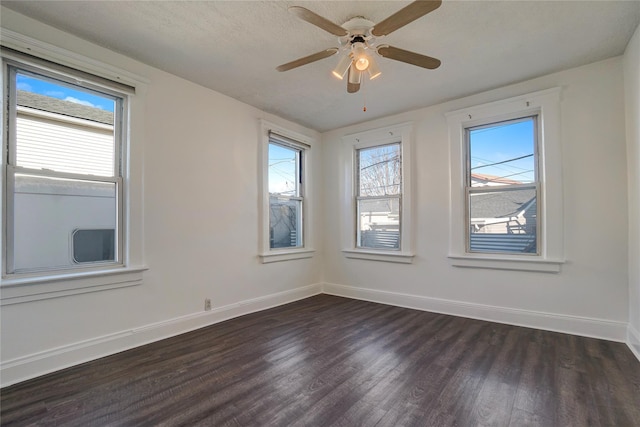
x=502, y=187
x=379, y=197
x=377, y=164
x=72, y=183
x=285, y=206
x=285, y=195
x=63, y=169
x=506, y=205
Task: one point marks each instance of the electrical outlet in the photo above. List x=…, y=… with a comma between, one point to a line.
x=207, y=304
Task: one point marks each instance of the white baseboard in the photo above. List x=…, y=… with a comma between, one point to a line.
x=34, y=365
x=583, y=326
x=37, y=364
x=633, y=340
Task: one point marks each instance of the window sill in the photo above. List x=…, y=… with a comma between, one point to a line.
x=498, y=263
x=286, y=255
x=16, y=290
x=385, y=256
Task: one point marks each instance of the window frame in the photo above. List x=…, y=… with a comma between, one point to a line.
x=12, y=68
x=359, y=198
x=34, y=286
x=272, y=133
x=545, y=105
x=469, y=189
x=401, y=134
x=299, y=195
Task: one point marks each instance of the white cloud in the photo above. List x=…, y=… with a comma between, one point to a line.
x=80, y=101
x=54, y=93
x=24, y=86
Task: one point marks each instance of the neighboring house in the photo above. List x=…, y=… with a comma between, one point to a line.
x=484, y=180
x=82, y=135
x=498, y=216
x=66, y=138
x=380, y=225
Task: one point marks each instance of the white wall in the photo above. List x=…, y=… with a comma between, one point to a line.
x=201, y=223
x=589, y=295
x=632, y=104
x=200, y=227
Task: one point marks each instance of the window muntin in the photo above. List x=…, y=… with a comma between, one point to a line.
x=502, y=187
x=64, y=169
x=285, y=185
x=379, y=197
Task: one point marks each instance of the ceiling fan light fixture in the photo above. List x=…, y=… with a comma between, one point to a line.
x=357, y=42
x=342, y=67
x=362, y=63
x=360, y=58
x=373, y=69
x=355, y=76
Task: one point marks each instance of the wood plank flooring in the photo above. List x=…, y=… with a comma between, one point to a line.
x=330, y=361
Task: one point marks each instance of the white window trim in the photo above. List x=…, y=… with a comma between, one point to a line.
x=265, y=253
x=401, y=133
x=545, y=104
x=20, y=288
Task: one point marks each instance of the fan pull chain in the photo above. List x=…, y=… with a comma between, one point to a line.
x=364, y=98
x=364, y=102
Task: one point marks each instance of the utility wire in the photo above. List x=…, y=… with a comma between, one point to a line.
x=506, y=168
x=393, y=159
x=504, y=161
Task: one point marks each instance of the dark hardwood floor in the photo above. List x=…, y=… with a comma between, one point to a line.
x=330, y=361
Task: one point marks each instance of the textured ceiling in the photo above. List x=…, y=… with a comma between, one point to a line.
x=233, y=47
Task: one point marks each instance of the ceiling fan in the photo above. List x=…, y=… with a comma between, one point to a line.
x=357, y=40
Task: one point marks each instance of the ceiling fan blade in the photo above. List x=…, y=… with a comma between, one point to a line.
x=409, y=57
x=308, y=59
x=318, y=21
x=352, y=87
x=404, y=16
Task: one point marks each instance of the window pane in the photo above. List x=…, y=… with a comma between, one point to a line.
x=379, y=223
x=379, y=172
x=94, y=245
x=63, y=127
x=503, y=153
x=284, y=171
x=285, y=223
x=503, y=221
x=47, y=211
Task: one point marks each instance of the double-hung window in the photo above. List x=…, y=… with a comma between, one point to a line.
x=502, y=187
x=71, y=211
x=379, y=196
x=63, y=174
x=285, y=204
x=378, y=171
x=506, y=182
x=286, y=191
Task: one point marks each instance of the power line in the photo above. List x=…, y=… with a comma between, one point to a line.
x=506, y=168
x=393, y=159
x=504, y=161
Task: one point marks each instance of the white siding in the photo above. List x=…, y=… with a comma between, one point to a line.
x=72, y=146
x=69, y=205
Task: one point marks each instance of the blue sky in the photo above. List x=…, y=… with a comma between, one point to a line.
x=511, y=143
x=47, y=88
x=282, y=170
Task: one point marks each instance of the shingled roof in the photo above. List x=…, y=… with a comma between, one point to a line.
x=502, y=204
x=66, y=108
